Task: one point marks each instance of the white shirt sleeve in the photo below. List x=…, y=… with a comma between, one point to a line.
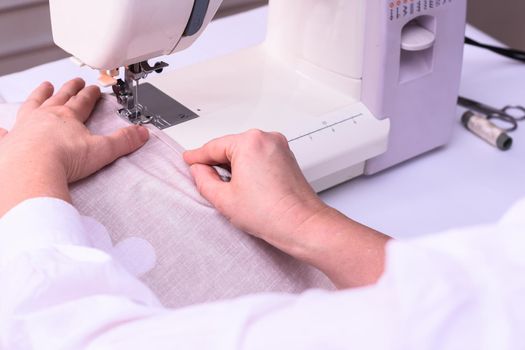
x=459, y=290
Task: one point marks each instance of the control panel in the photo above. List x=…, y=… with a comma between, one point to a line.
x=399, y=9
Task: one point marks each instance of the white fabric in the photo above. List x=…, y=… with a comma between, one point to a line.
x=459, y=290
x=163, y=231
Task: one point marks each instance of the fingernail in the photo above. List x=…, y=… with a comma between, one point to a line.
x=194, y=169
x=96, y=88
x=143, y=133
x=185, y=157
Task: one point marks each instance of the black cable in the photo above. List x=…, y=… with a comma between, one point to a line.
x=509, y=53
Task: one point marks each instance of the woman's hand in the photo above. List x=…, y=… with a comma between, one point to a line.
x=269, y=198
x=268, y=195
x=54, y=125
x=49, y=145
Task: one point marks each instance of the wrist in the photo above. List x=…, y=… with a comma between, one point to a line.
x=349, y=253
x=286, y=230
x=30, y=175
x=310, y=234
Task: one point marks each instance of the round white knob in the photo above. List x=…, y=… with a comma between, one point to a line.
x=416, y=38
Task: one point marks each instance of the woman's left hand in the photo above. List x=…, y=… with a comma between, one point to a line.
x=49, y=145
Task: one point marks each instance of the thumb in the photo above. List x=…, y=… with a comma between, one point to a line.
x=209, y=184
x=122, y=142
x=3, y=132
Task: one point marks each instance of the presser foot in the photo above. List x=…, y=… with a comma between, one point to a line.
x=137, y=115
x=127, y=92
x=156, y=108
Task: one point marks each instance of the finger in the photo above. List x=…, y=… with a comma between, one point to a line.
x=107, y=149
x=84, y=102
x=3, y=132
x=215, y=152
x=43, y=92
x=209, y=184
x=68, y=90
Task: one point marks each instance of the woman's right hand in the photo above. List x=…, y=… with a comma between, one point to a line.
x=267, y=196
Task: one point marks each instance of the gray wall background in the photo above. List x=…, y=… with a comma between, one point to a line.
x=25, y=31
x=503, y=19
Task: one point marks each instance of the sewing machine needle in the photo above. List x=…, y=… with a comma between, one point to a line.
x=137, y=112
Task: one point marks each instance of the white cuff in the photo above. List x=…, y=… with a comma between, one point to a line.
x=40, y=223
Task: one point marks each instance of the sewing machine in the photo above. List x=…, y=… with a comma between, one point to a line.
x=356, y=86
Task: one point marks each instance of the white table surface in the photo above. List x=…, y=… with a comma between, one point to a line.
x=465, y=183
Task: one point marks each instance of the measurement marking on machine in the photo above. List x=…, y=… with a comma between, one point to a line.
x=326, y=127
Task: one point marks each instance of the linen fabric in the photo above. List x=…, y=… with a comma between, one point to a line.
x=148, y=214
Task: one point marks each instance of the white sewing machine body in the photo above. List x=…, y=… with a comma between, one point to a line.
x=355, y=85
